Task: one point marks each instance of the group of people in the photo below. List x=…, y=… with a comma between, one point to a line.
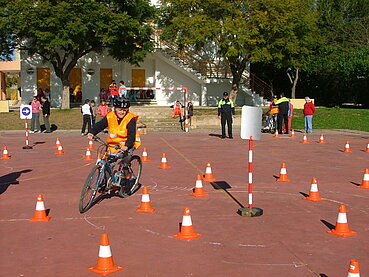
x=281, y=110
x=122, y=91
x=37, y=107
x=90, y=111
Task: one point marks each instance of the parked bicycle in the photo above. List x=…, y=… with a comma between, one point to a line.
x=108, y=177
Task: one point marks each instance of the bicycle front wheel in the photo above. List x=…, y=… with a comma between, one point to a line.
x=131, y=185
x=92, y=183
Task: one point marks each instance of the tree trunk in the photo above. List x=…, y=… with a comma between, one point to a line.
x=237, y=68
x=294, y=83
x=65, y=97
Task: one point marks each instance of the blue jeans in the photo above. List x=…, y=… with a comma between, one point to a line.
x=308, y=123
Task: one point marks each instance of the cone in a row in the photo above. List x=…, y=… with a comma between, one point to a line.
x=40, y=212
x=347, y=147
x=321, y=139
x=365, y=182
x=60, y=150
x=57, y=143
x=91, y=144
x=283, y=177
x=164, y=162
x=341, y=228
x=145, y=157
x=105, y=264
x=145, y=202
x=88, y=156
x=187, y=232
x=353, y=270
x=5, y=154
x=209, y=174
x=292, y=134
x=276, y=135
x=314, y=193
x=199, y=189
x=304, y=139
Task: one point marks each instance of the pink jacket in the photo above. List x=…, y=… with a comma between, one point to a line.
x=35, y=106
x=103, y=110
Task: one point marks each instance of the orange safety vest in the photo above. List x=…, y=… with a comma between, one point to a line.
x=118, y=132
x=274, y=108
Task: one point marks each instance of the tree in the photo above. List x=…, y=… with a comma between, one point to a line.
x=243, y=31
x=61, y=32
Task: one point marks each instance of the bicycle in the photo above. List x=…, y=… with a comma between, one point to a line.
x=109, y=177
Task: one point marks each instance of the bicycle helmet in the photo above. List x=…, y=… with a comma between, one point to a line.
x=121, y=102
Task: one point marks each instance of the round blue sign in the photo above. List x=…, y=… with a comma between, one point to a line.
x=26, y=111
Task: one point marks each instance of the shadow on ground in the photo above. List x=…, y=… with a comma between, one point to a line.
x=10, y=179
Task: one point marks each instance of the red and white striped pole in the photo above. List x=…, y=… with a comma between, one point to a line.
x=251, y=145
x=27, y=146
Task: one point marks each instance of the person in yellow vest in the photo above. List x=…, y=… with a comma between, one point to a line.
x=122, y=131
x=273, y=113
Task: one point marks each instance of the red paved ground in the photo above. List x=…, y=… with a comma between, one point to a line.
x=290, y=239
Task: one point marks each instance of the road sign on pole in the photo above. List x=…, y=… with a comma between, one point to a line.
x=25, y=111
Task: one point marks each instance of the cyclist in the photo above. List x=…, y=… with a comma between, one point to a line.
x=273, y=113
x=122, y=131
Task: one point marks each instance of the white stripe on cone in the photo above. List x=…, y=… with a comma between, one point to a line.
x=283, y=170
x=342, y=218
x=40, y=206
x=314, y=188
x=104, y=251
x=163, y=159
x=208, y=170
x=366, y=177
x=198, y=184
x=145, y=198
x=186, y=220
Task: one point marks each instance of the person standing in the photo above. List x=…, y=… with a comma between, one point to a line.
x=103, y=109
x=93, y=112
x=86, y=111
x=46, y=113
x=283, y=107
x=290, y=115
x=113, y=90
x=309, y=110
x=36, y=106
x=122, y=90
x=226, y=113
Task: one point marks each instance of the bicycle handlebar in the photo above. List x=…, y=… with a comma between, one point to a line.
x=99, y=140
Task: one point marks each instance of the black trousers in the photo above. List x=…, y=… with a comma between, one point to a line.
x=226, y=118
x=280, y=119
x=86, y=121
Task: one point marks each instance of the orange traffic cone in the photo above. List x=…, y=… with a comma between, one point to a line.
x=164, y=162
x=91, y=144
x=187, y=231
x=314, y=194
x=60, y=150
x=365, y=182
x=88, y=156
x=105, y=264
x=199, y=189
x=342, y=228
x=347, y=147
x=5, y=154
x=367, y=148
x=57, y=143
x=353, y=270
x=283, y=174
x=40, y=212
x=292, y=134
x=145, y=202
x=321, y=139
x=145, y=157
x=304, y=140
x=208, y=174
x=276, y=135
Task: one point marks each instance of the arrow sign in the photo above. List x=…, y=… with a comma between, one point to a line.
x=25, y=111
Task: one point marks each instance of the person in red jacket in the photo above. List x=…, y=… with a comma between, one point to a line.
x=309, y=110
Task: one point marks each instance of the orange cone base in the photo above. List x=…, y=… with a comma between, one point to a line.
x=59, y=153
x=363, y=187
x=88, y=158
x=314, y=198
x=105, y=270
x=145, y=159
x=283, y=179
x=164, y=166
x=209, y=178
x=304, y=141
x=292, y=136
x=347, y=151
x=341, y=234
x=5, y=158
x=40, y=217
x=187, y=233
x=145, y=208
x=199, y=193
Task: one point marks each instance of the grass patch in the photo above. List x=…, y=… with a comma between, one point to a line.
x=324, y=118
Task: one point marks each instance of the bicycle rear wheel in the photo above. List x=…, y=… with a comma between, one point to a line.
x=94, y=180
x=130, y=185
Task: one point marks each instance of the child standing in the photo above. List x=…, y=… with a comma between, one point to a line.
x=36, y=105
x=93, y=112
x=103, y=109
x=86, y=111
